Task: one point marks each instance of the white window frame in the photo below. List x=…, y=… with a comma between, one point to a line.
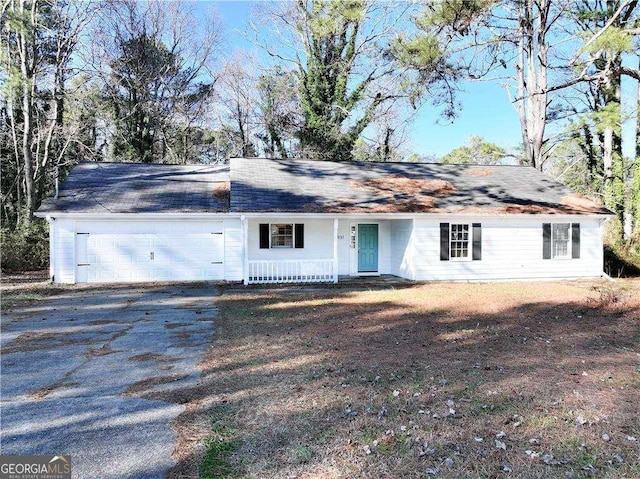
x=271, y=235
x=469, y=242
x=569, y=241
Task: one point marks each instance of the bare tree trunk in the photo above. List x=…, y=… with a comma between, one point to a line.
x=531, y=76
x=522, y=104
x=636, y=171
x=27, y=70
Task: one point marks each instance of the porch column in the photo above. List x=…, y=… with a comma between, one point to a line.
x=245, y=249
x=335, y=250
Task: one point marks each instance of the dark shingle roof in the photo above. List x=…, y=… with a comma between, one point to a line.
x=142, y=188
x=260, y=185
x=305, y=186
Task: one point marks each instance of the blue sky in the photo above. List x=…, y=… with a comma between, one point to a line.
x=486, y=109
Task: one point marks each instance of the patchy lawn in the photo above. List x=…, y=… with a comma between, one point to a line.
x=526, y=380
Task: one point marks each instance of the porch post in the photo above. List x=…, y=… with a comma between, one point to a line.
x=335, y=250
x=245, y=249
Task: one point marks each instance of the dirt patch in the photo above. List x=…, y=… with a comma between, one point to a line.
x=144, y=387
x=101, y=322
x=34, y=341
x=103, y=351
x=178, y=325
x=181, y=335
x=153, y=357
x=525, y=380
x=24, y=277
x=45, y=391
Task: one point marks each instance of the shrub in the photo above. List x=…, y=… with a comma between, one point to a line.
x=621, y=258
x=25, y=248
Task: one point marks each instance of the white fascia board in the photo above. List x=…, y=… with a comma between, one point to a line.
x=296, y=214
x=137, y=216
x=435, y=216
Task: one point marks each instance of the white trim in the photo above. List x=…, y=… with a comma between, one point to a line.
x=293, y=236
x=364, y=217
x=137, y=216
x=245, y=249
x=469, y=256
x=52, y=248
x=335, y=250
x=294, y=214
x=569, y=254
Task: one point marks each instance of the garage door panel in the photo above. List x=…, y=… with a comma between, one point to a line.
x=153, y=256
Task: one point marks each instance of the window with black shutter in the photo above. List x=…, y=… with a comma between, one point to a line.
x=460, y=241
x=561, y=240
x=281, y=235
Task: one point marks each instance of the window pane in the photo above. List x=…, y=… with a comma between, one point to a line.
x=560, y=240
x=282, y=236
x=459, y=244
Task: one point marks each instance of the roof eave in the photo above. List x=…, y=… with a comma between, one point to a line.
x=119, y=216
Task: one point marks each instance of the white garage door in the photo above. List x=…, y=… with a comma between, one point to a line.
x=150, y=252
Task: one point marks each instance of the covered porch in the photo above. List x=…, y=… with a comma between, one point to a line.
x=288, y=249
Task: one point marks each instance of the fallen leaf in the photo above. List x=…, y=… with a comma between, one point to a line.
x=501, y=445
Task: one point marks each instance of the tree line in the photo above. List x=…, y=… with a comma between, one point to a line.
x=121, y=80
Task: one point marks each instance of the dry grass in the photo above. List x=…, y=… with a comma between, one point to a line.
x=526, y=380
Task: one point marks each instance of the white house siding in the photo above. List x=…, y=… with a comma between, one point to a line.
x=233, y=250
x=62, y=232
x=511, y=249
x=123, y=250
x=318, y=242
x=400, y=237
x=348, y=255
x=344, y=248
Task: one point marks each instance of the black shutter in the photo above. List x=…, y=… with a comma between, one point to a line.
x=477, y=241
x=575, y=240
x=546, y=241
x=444, y=241
x=299, y=235
x=264, y=235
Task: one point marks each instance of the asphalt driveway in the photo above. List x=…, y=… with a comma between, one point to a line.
x=97, y=374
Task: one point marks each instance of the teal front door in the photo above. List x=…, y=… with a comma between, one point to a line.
x=367, y=248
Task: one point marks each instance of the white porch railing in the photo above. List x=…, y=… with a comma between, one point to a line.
x=291, y=271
